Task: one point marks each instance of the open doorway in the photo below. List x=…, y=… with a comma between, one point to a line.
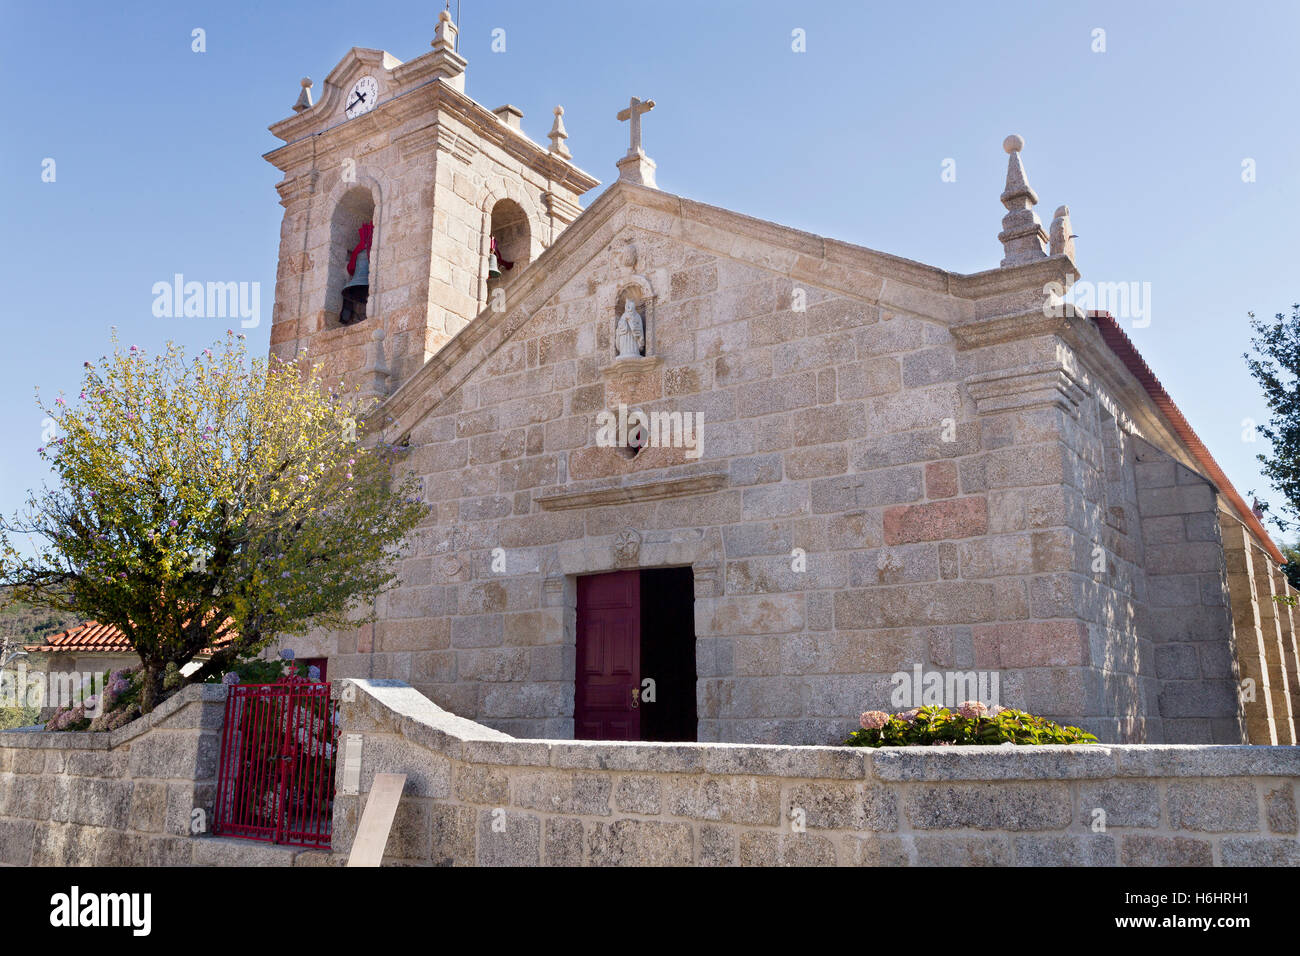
x=636, y=656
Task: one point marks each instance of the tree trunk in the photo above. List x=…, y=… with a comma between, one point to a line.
x=151, y=690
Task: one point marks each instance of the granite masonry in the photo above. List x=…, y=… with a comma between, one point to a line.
x=476, y=796
x=124, y=798
x=882, y=465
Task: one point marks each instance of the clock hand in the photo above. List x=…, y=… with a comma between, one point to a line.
x=356, y=101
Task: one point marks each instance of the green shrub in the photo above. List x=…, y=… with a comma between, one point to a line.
x=971, y=723
x=11, y=717
x=259, y=670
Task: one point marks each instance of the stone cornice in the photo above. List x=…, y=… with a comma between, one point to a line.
x=1045, y=383
x=1007, y=328
x=291, y=189
x=562, y=498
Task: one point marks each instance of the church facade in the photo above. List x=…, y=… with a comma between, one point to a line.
x=693, y=475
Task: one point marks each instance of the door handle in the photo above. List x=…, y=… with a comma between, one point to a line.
x=636, y=695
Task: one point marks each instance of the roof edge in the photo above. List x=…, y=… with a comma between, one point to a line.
x=1118, y=341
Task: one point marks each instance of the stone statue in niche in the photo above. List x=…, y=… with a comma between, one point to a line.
x=629, y=332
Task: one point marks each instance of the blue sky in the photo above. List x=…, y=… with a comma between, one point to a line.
x=158, y=151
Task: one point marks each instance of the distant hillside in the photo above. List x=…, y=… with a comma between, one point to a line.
x=29, y=624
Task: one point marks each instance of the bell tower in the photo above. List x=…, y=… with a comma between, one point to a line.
x=399, y=193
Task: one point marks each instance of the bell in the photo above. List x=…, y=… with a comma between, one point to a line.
x=358, y=287
x=494, y=271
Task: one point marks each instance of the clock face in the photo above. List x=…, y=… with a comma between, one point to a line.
x=362, y=98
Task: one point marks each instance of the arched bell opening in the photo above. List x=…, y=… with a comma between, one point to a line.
x=352, y=257
x=509, y=241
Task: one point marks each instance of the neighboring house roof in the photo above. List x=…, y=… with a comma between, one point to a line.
x=86, y=636
x=91, y=637
x=1123, y=347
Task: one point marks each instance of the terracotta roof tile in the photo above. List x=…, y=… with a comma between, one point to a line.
x=92, y=636
x=1127, y=352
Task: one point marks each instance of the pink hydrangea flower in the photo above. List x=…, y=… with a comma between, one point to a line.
x=873, y=720
x=972, y=709
x=908, y=715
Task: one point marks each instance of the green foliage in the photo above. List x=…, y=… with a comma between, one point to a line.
x=941, y=726
x=29, y=624
x=209, y=500
x=172, y=677
x=1292, y=566
x=1275, y=365
x=256, y=670
x=11, y=717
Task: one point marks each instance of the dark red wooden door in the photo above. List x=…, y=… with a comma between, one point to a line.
x=609, y=657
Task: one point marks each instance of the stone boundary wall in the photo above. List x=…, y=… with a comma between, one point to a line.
x=124, y=798
x=477, y=796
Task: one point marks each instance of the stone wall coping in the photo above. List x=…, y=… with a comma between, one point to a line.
x=107, y=740
x=424, y=722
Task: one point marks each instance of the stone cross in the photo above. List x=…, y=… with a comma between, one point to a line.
x=633, y=113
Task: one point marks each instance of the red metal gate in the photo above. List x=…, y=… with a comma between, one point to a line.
x=278, y=747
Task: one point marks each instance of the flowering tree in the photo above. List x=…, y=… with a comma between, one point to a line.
x=214, y=503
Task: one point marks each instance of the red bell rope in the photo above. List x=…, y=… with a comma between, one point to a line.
x=366, y=230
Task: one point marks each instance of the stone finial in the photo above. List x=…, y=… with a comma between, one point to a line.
x=558, y=135
x=445, y=33
x=304, y=98
x=449, y=66
x=377, y=373
x=636, y=166
x=1062, y=234
x=1022, y=236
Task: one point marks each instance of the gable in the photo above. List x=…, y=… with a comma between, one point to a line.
x=674, y=240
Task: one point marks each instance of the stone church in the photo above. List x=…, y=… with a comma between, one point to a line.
x=693, y=475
